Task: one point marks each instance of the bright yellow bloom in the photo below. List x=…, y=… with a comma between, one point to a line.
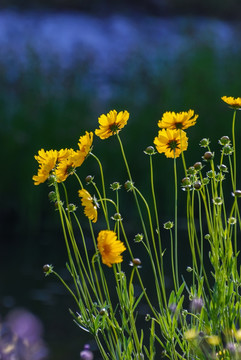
x=182, y=120
x=110, y=248
x=47, y=161
x=90, y=205
x=234, y=103
x=64, y=154
x=66, y=166
x=44, y=157
x=85, y=143
x=111, y=123
x=171, y=142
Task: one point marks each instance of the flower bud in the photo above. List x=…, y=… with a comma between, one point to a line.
x=148, y=317
x=207, y=237
x=116, y=217
x=208, y=155
x=52, y=196
x=102, y=312
x=71, y=208
x=224, y=140
x=217, y=201
x=189, y=269
x=115, y=186
x=89, y=179
x=237, y=193
x=129, y=185
x=206, y=181
x=168, y=225
x=232, y=220
x=198, y=166
x=138, y=237
x=211, y=174
x=150, y=150
x=47, y=269
x=204, y=142
x=135, y=262
x=223, y=168
x=227, y=150
x=191, y=170
x=197, y=185
x=51, y=180
x=186, y=181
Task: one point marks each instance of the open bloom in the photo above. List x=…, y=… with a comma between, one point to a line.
x=67, y=166
x=90, y=205
x=110, y=248
x=171, y=142
x=181, y=120
x=47, y=161
x=234, y=103
x=111, y=123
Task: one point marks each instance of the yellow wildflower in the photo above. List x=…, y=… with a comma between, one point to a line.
x=85, y=143
x=171, y=142
x=64, y=154
x=234, y=103
x=90, y=205
x=66, y=167
x=181, y=120
x=111, y=123
x=110, y=248
x=43, y=156
x=47, y=161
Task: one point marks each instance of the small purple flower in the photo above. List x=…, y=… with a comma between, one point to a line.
x=86, y=354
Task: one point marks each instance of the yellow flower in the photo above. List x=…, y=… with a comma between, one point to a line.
x=64, y=154
x=171, y=142
x=182, y=120
x=85, y=143
x=90, y=205
x=43, y=156
x=111, y=123
x=85, y=146
x=110, y=248
x=234, y=103
x=47, y=161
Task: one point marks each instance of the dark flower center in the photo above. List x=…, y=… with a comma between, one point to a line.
x=173, y=144
x=114, y=128
x=179, y=125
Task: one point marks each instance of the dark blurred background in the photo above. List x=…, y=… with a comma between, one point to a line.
x=62, y=64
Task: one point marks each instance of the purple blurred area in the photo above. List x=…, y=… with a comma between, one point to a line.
x=21, y=337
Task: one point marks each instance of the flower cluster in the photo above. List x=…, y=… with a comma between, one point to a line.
x=208, y=330
x=172, y=139
x=62, y=163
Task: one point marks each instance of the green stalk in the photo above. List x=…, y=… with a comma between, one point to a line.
x=175, y=225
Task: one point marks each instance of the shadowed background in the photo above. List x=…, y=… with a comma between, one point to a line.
x=61, y=67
